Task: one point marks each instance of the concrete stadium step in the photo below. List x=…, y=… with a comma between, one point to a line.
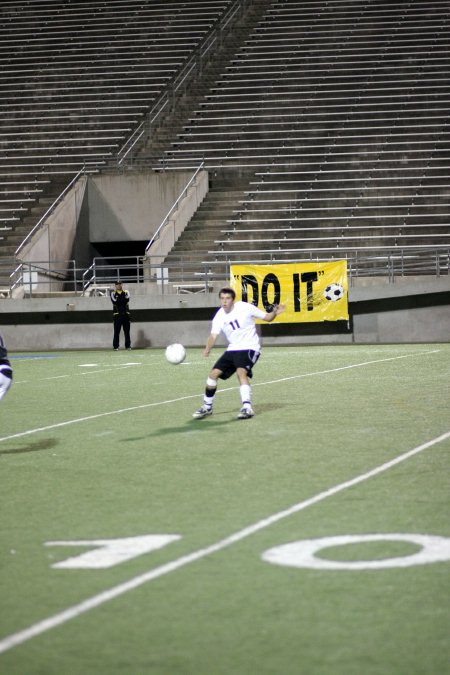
x=12, y=239
x=7, y=250
x=210, y=219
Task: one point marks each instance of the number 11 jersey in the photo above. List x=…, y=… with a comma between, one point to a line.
x=238, y=326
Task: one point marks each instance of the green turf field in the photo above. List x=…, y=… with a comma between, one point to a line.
x=346, y=441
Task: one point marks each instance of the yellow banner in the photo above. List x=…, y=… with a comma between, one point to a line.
x=310, y=291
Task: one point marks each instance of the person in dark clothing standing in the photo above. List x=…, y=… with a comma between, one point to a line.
x=121, y=311
x=5, y=370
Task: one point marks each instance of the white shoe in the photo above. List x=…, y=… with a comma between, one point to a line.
x=202, y=412
x=245, y=413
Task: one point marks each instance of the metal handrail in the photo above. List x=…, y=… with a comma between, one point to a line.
x=193, y=65
x=133, y=139
x=137, y=134
x=49, y=210
x=48, y=270
x=186, y=268
x=91, y=274
x=174, y=206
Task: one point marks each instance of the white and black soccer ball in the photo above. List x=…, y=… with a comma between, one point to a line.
x=334, y=292
x=175, y=353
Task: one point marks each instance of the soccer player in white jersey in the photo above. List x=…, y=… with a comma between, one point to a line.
x=236, y=320
x=5, y=370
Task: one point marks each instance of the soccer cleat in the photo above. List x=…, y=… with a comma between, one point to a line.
x=202, y=412
x=245, y=413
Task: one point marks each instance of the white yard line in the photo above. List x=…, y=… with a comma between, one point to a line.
x=87, y=372
x=97, y=600
x=110, y=370
x=77, y=420
x=41, y=379
x=335, y=370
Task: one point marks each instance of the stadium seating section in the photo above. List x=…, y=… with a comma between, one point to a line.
x=324, y=125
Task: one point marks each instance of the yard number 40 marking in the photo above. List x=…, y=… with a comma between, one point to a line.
x=110, y=552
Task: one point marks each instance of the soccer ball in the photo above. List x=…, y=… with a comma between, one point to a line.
x=334, y=292
x=175, y=353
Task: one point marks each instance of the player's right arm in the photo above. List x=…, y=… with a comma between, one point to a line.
x=210, y=342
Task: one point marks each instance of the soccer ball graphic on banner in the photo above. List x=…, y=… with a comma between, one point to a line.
x=175, y=353
x=334, y=292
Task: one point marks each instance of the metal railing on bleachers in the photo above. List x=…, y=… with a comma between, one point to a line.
x=197, y=274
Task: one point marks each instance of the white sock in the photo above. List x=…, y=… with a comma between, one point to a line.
x=244, y=391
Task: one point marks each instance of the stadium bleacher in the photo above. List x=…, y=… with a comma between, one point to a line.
x=76, y=80
x=341, y=114
x=324, y=126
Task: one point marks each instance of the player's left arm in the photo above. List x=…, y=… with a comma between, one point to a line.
x=276, y=310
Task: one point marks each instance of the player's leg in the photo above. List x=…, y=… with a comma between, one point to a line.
x=5, y=382
x=245, y=394
x=126, y=332
x=223, y=368
x=117, y=325
x=210, y=392
x=245, y=360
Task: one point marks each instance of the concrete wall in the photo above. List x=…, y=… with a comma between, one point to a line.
x=130, y=207
x=416, y=312
x=112, y=208
x=177, y=221
x=55, y=240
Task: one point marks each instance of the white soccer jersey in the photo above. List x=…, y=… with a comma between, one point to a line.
x=238, y=326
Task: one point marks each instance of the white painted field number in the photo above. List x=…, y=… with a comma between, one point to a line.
x=110, y=552
x=302, y=553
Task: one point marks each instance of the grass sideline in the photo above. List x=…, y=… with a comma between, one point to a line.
x=101, y=445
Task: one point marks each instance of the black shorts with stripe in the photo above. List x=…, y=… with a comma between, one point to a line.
x=230, y=361
x=5, y=367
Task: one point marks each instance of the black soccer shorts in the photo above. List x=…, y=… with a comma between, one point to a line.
x=231, y=360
